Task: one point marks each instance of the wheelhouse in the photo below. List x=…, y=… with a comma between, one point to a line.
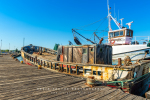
x=120, y=33
x=121, y=36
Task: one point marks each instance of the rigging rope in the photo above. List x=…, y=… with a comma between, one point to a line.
x=89, y=24
x=83, y=36
x=82, y=39
x=100, y=25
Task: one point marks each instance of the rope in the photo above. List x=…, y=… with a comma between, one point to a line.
x=100, y=25
x=89, y=24
x=83, y=36
x=81, y=39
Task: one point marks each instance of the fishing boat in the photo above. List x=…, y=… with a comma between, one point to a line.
x=122, y=41
x=96, y=60
x=92, y=60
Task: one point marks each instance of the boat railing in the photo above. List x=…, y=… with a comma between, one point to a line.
x=135, y=40
x=140, y=39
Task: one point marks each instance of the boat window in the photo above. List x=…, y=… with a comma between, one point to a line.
x=128, y=33
x=121, y=33
x=94, y=72
x=131, y=32
x=84, y=51
x=92, y=49
x=99, y=73
x=116, y=34
x=86, y=71
x=135, y=74
x=111, y=35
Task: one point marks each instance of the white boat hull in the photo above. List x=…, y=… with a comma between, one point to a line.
x=135, y=52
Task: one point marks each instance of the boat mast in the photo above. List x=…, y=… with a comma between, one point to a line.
x=108, y=16
x=109, y=27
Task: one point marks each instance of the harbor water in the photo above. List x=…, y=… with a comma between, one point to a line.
x=20, y=58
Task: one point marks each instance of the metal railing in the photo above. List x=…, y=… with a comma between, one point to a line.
x=136, y=39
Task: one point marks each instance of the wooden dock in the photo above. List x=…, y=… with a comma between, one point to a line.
x=21, y=81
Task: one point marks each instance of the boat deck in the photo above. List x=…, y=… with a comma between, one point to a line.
x=46, y=56
x=21, y=81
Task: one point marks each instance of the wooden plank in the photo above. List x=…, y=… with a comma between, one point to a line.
x=93, y=94
x=120, y=96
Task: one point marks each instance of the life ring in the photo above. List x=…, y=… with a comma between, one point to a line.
x=112, y=41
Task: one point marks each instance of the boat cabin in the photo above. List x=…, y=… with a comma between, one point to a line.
x=120, y=37
x=91, y=54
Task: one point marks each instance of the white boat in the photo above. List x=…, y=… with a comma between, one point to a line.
x=122, y=39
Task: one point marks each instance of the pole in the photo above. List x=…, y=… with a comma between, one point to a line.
x=1, y=46
x=9, y=47
x=135, y=40
x=108, y=18
x=108, y=15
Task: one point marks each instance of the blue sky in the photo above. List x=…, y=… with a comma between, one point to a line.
x=46, y=22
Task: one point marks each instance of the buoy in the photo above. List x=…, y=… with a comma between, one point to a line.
x=112, y=42
x=127, y=61
x=21, y=62
x=39, y=67
x=90, y=81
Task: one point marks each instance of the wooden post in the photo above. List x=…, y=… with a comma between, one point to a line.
x=70, y=70
x=119, y=62
x=36, y=59
x=55, y=66
x=41, y=63
x=47, y=64
x=59, y=67
x=38, y=62
x=44, y=63
x=77, y=69
x=67, y=69
x=62, y=68
x=51, y=65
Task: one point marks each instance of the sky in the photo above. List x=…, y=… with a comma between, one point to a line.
x=46, y=22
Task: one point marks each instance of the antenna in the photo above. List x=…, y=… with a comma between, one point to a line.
x=114, y=10
x=129, y=24
x=9, y=47
x=108, y=15
x=118, y=15
x=121, y=22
